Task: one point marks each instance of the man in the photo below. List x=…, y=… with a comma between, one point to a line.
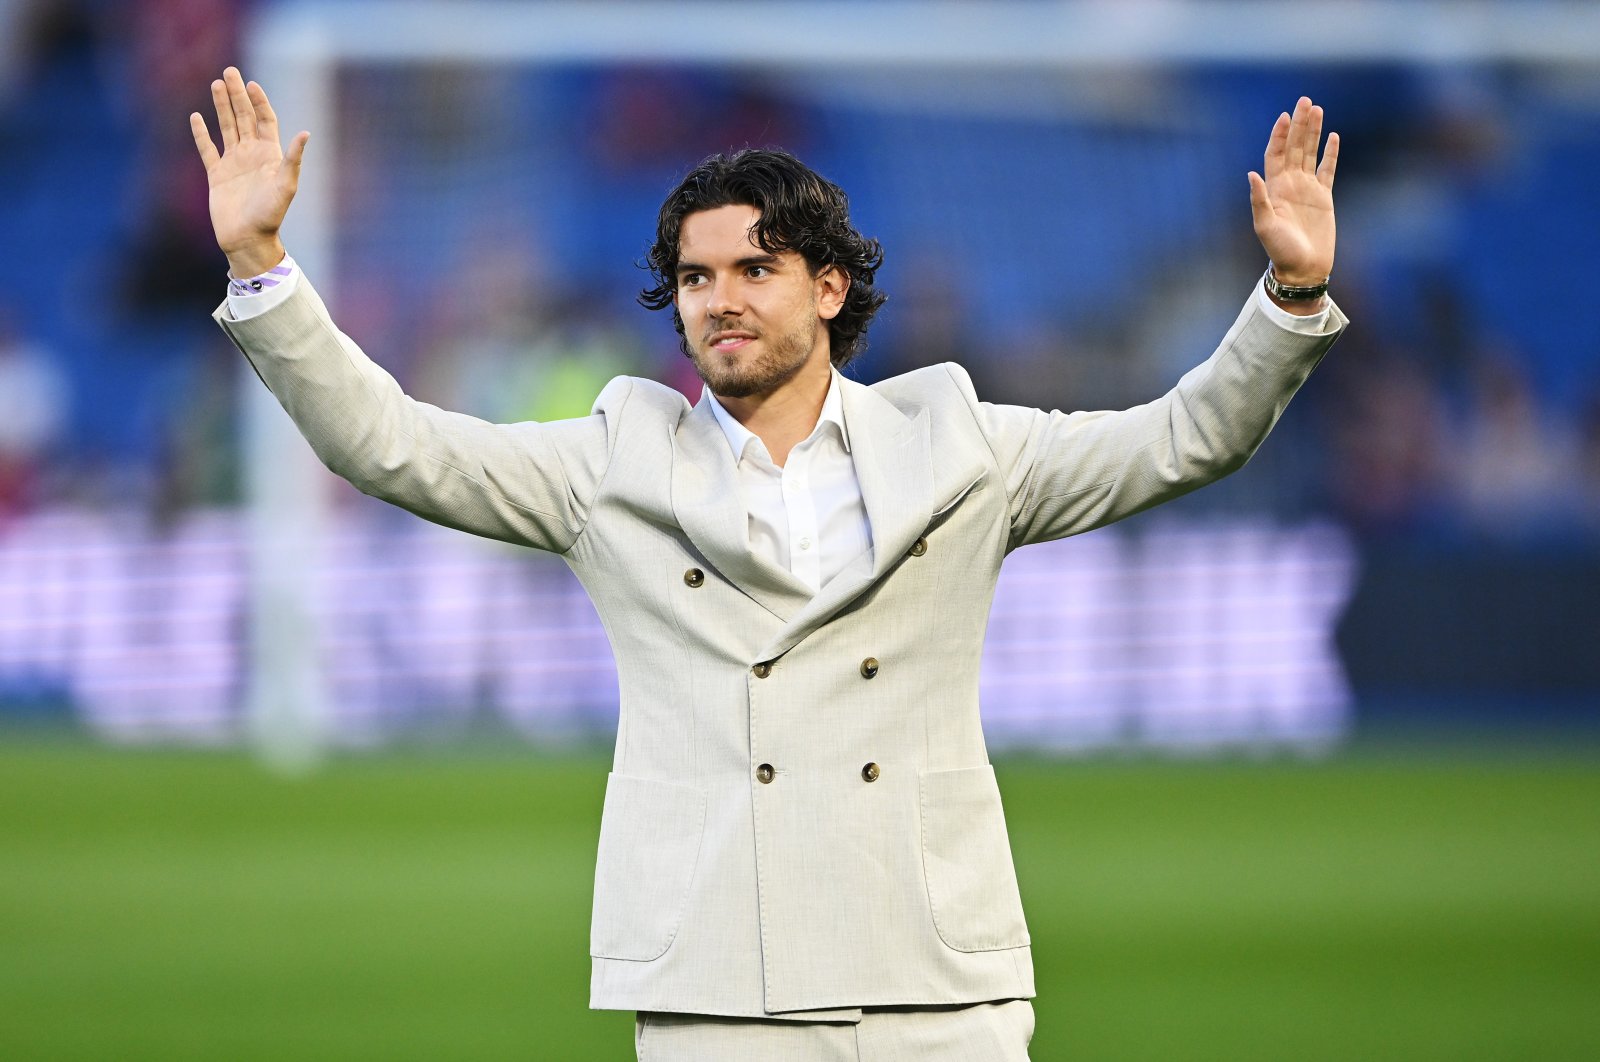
x=802, y=852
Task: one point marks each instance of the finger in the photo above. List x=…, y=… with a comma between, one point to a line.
x=1260, y=202
x=1313, y=138
x=244, y=113
x=1330, y=161
x=202, y=140
x=225, y=123
x=266, y=117
x=1295, y=153
x=297, y=150
x=1277, y=146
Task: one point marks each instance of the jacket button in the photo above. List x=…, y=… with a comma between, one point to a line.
x=694, y=577
x=919, y=547
x=869, y=667
x=762, y=669
x=870, y=773
x=765, y=774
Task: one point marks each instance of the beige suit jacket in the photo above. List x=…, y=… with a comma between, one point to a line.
x=750, y=861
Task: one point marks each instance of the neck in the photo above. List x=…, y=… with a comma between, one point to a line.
x=782, y=419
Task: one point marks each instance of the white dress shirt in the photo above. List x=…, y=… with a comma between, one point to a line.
x=245, y=302
x=806, y=517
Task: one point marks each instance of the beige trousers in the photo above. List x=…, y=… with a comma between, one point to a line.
x=981, y=1032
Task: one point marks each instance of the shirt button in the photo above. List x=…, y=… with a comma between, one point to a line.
x=762, y=669
x=694, y=577
x=869, y=667
x=919, y=547
x=805, y=543
x=765, y=774
x=870, y=773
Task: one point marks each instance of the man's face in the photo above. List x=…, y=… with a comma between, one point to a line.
x=752, y=319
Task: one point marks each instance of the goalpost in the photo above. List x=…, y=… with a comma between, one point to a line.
x=296, y=50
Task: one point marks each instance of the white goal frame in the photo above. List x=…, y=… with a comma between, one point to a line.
x=295, y=50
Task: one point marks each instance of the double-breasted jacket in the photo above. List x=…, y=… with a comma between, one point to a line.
x=801, y=817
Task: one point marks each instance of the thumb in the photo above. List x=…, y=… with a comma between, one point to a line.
x=1260, y=204
x=297, y=149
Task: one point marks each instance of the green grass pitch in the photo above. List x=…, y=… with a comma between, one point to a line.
x=171, y=905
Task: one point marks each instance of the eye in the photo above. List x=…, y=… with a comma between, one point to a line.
x=691, y=280
x=759, y=271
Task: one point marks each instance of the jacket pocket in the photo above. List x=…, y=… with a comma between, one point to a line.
x=966, y=862
x=650, y=833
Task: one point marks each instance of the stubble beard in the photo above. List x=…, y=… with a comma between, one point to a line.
x=776, y=361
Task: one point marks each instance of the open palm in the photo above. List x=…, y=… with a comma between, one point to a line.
x=1292, y=206
x=252, y=180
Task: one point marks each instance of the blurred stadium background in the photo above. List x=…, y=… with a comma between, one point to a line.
x=1303, y=765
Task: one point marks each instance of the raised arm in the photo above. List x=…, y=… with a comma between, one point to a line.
x=526, y=483
x=1068, y=473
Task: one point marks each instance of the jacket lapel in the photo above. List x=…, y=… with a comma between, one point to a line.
x=893, y=465
x=710, y=508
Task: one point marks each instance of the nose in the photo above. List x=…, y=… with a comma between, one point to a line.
x=725, y=299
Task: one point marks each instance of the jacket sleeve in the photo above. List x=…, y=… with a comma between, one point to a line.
x=1066, y=473
x=530, y=483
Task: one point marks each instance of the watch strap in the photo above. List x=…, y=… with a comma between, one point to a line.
x=1292, y=293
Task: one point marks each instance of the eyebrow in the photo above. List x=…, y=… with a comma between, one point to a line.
x=742, y=263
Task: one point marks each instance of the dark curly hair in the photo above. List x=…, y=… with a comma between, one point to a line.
x=800, y=211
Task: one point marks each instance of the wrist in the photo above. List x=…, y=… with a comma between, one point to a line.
x=1288, y=294
x=1304, y=299
x=255, y=258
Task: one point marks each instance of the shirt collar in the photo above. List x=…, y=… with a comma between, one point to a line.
x=739, y=436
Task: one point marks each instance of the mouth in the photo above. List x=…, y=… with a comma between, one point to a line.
x=729, y=340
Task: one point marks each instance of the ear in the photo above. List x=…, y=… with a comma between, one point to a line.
x=832, y=285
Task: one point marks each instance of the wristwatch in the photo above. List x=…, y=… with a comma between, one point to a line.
x=1293, y=294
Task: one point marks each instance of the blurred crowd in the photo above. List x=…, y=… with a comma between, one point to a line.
x=1464, y=404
